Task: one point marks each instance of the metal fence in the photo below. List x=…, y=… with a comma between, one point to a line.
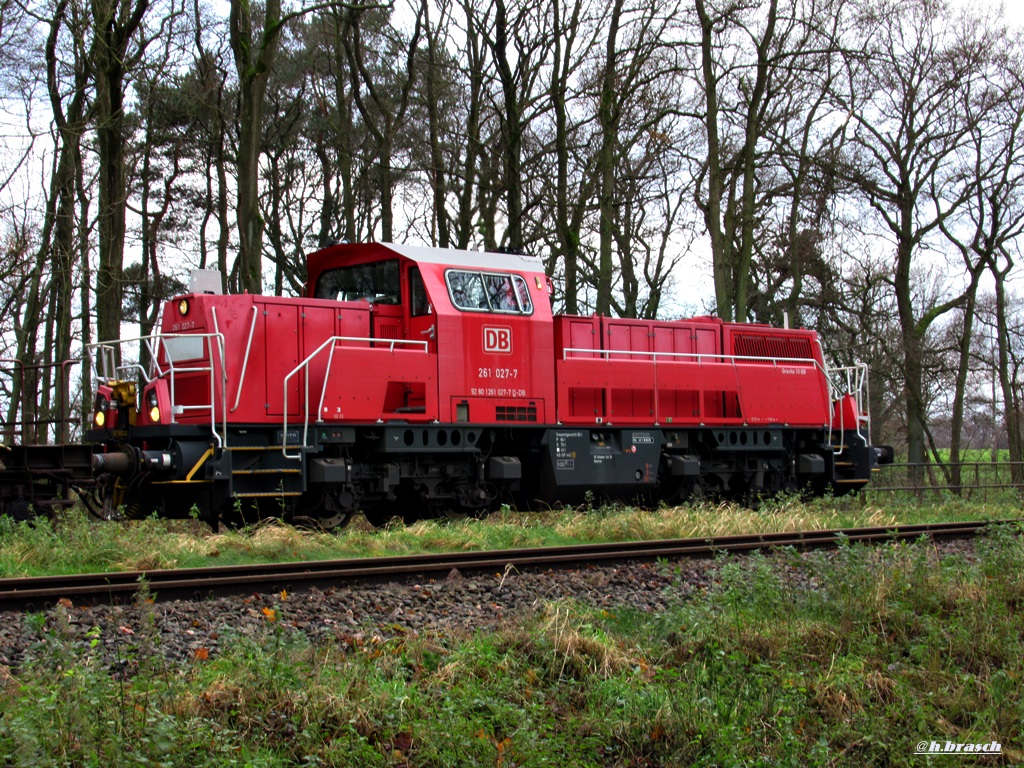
x=977, y=479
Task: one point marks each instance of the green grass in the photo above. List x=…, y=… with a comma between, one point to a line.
x=896, y=646
x=76, y=544
x=968, y=455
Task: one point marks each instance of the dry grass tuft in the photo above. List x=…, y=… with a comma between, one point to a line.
x=820, y=642
x=270, y=539
x=760, y=645
x=147, y=561
x=882, y=686
x=836, y=702
x=579, y=648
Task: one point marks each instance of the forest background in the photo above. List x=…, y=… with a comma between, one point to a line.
x=855, y=166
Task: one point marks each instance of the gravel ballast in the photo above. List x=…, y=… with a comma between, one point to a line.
x=182, y=631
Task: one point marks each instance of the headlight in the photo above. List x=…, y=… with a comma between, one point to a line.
x=183, y=307
x=153, y=403
x=100, y=416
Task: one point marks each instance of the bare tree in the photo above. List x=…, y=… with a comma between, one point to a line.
x=639, y=148
x=382, y=95
x=468, y=171
x=293, y=184
x=254, y=43
x=63, y=239
x=433, y=85
x=728, y=179
x=992, y=218
x=19, y=80
x=208, y=84
x=907, y=102
x=575, y=32
x=518, y=40
x=162, y=154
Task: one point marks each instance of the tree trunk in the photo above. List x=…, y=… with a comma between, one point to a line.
x=114, y=27
x=470, y=171
x=960, y=388
x=438, y=183
x=559, y=85
x=254, y=56
x=512, y=130
x=913, y=365
x=608, y=118
x=1011, y=407
x=720, y=245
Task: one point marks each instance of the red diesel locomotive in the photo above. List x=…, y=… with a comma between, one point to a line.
x=411, y=381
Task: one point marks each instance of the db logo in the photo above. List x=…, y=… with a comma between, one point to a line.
x=498, y=339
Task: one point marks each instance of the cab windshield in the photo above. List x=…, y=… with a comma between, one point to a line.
x=376, y=283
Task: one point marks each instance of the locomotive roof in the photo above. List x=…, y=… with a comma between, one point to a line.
x=479, y=259
x=485, y=260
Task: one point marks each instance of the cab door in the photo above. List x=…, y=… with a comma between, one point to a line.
x=421, y=326
x=421, y=322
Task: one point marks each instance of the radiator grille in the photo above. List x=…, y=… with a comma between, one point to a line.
x=765, y=345
x=388, y=329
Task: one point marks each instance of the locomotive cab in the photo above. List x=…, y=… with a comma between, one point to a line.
x=485, y=318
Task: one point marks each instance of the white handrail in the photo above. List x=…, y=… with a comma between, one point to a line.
x=332, y=342
x=852, y=380
x=700, y=358
x=245, y=360
x=102, y=357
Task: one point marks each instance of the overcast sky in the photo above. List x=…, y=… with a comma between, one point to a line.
x=1013, y=12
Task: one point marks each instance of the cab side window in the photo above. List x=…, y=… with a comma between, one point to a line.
x=488, y=292
x=419, y=304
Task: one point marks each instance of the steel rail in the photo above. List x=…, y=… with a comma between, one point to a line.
x=40, y=593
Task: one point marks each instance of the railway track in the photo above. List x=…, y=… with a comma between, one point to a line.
x=40, y=593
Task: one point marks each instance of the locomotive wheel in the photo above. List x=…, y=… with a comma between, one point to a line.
x=402, y=507
x=311, y=510
x=380, y=515
x=675, y=491
x=378, y=518
x=306, y=511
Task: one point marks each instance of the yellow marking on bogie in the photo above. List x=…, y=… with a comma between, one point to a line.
x=202, y=460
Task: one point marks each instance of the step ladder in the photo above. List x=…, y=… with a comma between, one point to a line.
x=262, y=472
